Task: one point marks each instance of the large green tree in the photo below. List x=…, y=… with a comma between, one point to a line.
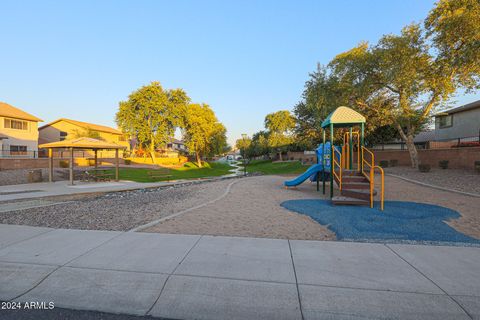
x=259, y=145
x=418, y=70
x=324, y=92
x=203, y=133
x=280, y=126
x=320, y=97
x=243, y=145
x=151, y=114
x=218, y=141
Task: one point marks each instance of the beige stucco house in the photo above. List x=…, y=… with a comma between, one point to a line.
x=64, y=129
x=18, y=132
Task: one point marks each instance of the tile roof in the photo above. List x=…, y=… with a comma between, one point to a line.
x=7, y=110
x=86, y=125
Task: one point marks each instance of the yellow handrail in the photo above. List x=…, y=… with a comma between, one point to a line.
x=382, y=192
x=335, y=162
x=371, y=176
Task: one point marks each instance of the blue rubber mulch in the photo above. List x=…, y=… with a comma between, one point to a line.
x=400, y=221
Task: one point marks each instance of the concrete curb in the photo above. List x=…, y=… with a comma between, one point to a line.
x=433, y=186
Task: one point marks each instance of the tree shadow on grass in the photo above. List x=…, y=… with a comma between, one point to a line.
x=400, y=221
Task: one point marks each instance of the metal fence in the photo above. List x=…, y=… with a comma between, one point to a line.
x=434, y=144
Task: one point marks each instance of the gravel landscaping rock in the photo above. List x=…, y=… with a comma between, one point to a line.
x=454, y=179
x=119, y=210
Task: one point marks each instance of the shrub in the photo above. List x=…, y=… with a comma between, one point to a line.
x=424, y=167
x=443, y=164
x=393, y=163
x=127, y=162
x=383, y=163
x=64, y=163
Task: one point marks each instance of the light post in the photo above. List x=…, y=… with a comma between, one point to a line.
x=244, y=155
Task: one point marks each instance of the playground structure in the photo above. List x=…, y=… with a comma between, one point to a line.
x=352, y=172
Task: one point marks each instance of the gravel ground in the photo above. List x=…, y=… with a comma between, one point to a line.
x=252, y=209
x=117, y=211
x=455, y=179
x=467, y=206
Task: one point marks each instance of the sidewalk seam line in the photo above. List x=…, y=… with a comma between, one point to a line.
x=63, y=265
x=424, y=275
x=20, y=241
x=173, y=271
x=296, y=280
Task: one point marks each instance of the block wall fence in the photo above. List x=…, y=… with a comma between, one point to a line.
x=459, y=158
x=39, y=163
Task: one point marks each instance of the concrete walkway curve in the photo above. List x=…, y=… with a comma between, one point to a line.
x=208, y=277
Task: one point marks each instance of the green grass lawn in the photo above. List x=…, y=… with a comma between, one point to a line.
x=269, y=167
x=189, y=171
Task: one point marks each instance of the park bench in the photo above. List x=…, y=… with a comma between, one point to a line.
x=159, y=174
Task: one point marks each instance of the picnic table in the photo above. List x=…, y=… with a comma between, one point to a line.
x=159, y=174
x=98, y=174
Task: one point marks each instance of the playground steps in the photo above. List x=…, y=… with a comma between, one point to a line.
x=358, y=194
x=355, y=189
x=342, y=200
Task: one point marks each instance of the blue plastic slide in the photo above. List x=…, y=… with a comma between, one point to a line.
x=316, y=168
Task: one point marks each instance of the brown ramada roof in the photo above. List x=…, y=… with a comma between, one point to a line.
x=9, y=111
x=85, y=125
x=82, y=143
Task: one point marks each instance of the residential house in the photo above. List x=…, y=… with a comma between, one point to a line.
x=177, y=145
x=18, y=132
x=457, y=123
x=63, y=129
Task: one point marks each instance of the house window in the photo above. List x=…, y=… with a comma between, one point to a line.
x=122, y=138
x=445, y=121
x=15, y=124
x=18, y=150
x=63, y=135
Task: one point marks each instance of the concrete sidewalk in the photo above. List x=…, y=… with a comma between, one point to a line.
x=60, y=188
x=206, y=277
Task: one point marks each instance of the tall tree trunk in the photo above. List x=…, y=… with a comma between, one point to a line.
x=412, y=150
x=152, y=151
x=280, y=156
x=199, y=158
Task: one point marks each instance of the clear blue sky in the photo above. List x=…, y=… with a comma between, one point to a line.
x=78, y=59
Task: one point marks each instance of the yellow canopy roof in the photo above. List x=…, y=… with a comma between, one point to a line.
x=82, y=143
x=343, y=115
